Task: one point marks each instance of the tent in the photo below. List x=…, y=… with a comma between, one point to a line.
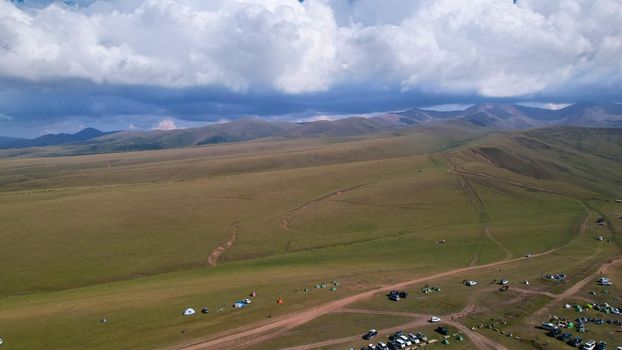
x=460, y=338
x=253, y=294
x=333, y=289
x=445, y=341
x=189, y=311
x=279, y=301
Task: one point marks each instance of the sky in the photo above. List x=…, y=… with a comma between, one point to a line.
x=144, y=64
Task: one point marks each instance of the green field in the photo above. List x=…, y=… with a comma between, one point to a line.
x=128, y=236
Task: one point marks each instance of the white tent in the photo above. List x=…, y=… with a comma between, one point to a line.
x=189, y=311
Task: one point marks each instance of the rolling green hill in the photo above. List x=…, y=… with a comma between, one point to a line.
x=131, y=237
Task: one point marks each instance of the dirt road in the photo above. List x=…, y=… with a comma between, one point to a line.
x=253, y=334
x=211, y=259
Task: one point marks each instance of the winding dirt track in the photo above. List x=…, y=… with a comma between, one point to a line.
x=211, y=259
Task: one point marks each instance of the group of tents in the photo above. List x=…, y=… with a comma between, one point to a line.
x=238, y=305
x=334, y=284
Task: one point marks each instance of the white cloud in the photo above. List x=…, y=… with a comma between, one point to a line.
x=165, y=124
x=484, y=47
x=4, y=117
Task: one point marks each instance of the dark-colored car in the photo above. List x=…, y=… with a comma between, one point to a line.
x=601, y=345
x=554, y=333
x=442, y=330
x=205, y=310
x=575, y=342
x=372, y=333
x=403, y=295
x=421, y=336
x=564, y=337
x=393, y=346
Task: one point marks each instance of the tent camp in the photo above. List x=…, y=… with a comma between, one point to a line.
x=189, y=311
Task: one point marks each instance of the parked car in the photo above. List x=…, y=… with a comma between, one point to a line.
x=371, y=347
x=372, y=333
x=564, y=337
x=421, y=336
x=205, y=310
x=413, y=338
x=601, y=345
x=435, y=319
x=394, y=297
x=399, y=342
x=575, y=342
x=394, y=346
x=442, y=330
x=589, y=345
x=405, y=339
x=403, y=295
x=554, y=333
x=548, y=326
x=382, y=346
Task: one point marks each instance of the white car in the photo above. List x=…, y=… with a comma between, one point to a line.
x=406, y=340
x=399, y=343
x=548, y=326
x=589, y=345
x=435, y=319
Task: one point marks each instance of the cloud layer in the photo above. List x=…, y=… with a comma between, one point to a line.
x=485, y=48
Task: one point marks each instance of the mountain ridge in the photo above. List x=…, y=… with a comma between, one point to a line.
x=496, y=117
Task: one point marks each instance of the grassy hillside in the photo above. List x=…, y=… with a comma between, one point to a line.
x=128, y=236
x=586, y=157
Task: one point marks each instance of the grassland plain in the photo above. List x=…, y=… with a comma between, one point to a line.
x=127, y=236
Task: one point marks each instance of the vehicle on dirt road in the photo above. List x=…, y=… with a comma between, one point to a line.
x=372, y=333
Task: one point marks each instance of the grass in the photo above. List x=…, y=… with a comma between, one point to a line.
x=127, y=237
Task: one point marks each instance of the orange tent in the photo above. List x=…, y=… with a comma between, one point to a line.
x=279, y=301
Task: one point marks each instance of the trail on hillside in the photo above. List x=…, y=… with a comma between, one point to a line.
x=324, y=197
x=285, y=222
x=508, y=254
x=211, y=259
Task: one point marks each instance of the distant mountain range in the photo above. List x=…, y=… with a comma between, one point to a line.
x=52, y=139
x=492, y=116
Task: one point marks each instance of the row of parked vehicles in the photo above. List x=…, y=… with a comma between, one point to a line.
x=399, y=340
x=576, y=342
